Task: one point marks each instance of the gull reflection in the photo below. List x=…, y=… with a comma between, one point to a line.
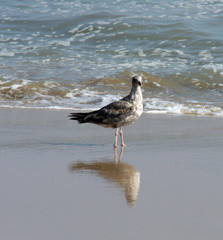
x=124, y=175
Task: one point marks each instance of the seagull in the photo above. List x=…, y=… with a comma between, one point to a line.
x=117, y=114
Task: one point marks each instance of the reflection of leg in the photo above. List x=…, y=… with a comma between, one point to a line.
x=116, y=138
x=122, y=138
x=115, y=154
x=120, y=154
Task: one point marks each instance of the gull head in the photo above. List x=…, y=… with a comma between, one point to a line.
x=137, y=81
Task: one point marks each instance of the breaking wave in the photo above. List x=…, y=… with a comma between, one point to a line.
x=178, y=94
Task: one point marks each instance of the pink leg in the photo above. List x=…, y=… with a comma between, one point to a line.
x=116, y=138
x=122, y=138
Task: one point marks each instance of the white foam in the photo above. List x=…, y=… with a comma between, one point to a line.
x=156, y=105
x=141, y=53
x=5, y=53
x=216, y=67
x=205, y=55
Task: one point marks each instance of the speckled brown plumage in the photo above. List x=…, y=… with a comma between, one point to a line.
x=117, y=114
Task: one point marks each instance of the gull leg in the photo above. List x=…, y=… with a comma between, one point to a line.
x=122, y=138
x=116, y=138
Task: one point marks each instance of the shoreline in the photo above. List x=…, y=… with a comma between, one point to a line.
x=149, y=128
x=152, y=112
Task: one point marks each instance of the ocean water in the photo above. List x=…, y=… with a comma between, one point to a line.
x=79, y=55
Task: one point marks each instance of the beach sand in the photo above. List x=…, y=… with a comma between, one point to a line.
x=61, y=180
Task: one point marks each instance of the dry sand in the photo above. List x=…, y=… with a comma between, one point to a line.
x=59, y=180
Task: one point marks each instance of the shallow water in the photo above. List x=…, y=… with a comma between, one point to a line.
x=81, y=55
x=55, y=184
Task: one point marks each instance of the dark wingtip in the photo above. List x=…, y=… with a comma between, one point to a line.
x=71, y=116
x=77, y=117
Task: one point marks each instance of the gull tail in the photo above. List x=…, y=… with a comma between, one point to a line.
x=80, y=117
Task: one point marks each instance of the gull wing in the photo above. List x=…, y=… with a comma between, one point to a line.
x=111, y=114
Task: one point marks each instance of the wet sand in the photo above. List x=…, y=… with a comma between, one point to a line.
x=60, y=180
